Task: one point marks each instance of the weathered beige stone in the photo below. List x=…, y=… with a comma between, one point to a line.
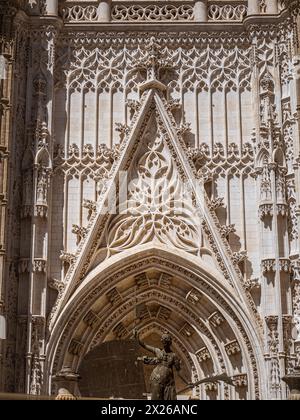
x=101, y=100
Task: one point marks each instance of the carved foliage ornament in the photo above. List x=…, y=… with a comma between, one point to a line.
x=158, y=209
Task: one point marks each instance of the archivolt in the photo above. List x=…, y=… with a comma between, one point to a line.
x=191, y=273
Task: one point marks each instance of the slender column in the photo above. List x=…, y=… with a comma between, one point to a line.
x=201, y=11
x=104, y=11
x=253, y=7
x=52, y=7
x=272, y=7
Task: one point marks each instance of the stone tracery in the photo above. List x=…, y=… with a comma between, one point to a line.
x=84, y=84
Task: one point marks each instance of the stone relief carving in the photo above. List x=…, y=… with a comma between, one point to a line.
x=158, y=209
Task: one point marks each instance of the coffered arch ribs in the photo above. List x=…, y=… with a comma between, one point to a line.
x=100, y=290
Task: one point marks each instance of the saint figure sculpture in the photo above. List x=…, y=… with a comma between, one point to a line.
x=162, y=381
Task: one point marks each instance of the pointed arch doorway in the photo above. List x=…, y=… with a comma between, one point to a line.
x=157, y=290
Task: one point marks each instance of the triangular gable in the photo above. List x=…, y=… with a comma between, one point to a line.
x=227, y=261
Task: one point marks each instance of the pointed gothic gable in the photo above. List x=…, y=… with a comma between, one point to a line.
x=154, y=150
x=157, y=208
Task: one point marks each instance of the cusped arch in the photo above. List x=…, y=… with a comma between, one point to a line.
x=189, y=270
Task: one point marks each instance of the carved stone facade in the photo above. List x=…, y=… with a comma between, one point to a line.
x=149, y=178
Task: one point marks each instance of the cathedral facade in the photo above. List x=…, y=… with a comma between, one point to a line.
x=150, y=181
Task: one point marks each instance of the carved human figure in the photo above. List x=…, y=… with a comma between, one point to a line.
x=162, y=380
x=42, y=186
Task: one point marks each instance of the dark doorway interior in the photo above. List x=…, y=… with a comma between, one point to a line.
x=111, y=370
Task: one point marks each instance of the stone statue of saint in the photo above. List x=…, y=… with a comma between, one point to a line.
x=162, y=380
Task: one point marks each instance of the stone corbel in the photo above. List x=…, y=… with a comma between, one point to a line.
x=41, y=210
x=39, y=266
x=268, y=266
